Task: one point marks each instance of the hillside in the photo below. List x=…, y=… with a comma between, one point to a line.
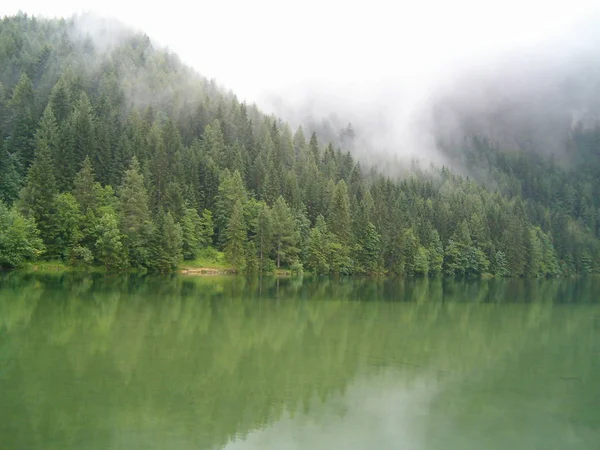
x=114, y=153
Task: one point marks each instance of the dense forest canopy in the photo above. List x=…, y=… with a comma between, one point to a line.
x=112, y=152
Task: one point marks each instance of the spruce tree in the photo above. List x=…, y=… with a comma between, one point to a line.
x=10, y=175
x=235, y=238
x=136, y=222
x=109, y=246
x=284, y=234
x=37, y=197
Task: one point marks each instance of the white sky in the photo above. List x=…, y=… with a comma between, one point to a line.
x=264, y=47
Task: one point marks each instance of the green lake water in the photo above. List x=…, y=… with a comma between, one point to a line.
x=131, y=362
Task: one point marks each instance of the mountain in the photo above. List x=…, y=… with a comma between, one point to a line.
x=114, y=153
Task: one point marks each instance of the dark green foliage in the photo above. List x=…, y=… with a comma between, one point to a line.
x=136, y=223
x=197, y=232
x=283, y=233
x=37, y=197
x=109, y=246
x=235, y=238
x=77, y=124
x=10, y=175
x=166, y=244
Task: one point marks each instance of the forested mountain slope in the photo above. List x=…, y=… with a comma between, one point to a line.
x=113, y=152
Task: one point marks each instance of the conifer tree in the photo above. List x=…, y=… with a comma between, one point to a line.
x=136, y=223
x=284, y=233
x=37, y=197
x=235, y=238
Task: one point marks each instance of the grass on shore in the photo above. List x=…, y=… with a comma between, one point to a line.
x=208, y=259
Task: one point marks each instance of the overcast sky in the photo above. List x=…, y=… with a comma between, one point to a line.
x=264, y=47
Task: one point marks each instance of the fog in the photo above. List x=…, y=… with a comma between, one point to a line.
x=526, y=96
x=409, y=77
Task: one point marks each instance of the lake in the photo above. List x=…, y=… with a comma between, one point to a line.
x=148, y=362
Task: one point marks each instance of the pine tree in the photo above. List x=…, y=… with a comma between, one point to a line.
x=86, y=189
x=435, y=252
x=83, y=129
x=191, y=226
x=167, y=244
x=136, y=223
x=284, y=233
x=21, y=120
x=235, y=235
x=500, y=265
x=10, y=175
x=421, y=262
x=263, y=237
x=213, y=143
x=339, y=214
x=109, y=247
x=318, y=256
x=370, y=245
x=231, y=190
x=206, y=229
x=66, y=226
x=159, y=168
x=37, y=197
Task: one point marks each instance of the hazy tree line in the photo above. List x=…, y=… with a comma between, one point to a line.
x=125, y=158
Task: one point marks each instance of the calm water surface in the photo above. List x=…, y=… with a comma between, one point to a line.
x=126, y=362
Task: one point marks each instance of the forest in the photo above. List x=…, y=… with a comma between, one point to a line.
x=115, y=154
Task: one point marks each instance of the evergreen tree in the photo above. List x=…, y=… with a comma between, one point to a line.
x=167, y=244
x=109, y=248
x=191, y=227
x=21, y=127
x=10, y=175
x=231, y=190
x=235, y=235
x=284, y=233
x=136, y=224
x=339, y=214
x=421, y=262
x=318, y=256
x=263, y=237
x=37, y=197
x=435, y=251
x=65, y=226
x=82, y=127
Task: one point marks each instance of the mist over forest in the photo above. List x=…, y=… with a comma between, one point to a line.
x=524, y=98
x=114, y=153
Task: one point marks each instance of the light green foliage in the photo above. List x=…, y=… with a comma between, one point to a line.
x=421, y=262
x=297, y=268
x=66, y=225
x=109, y=247
x=196, y=232
x=368, y=249
x=500, y=266
x=435, y=252
x=167, y=244
x=19, y=240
